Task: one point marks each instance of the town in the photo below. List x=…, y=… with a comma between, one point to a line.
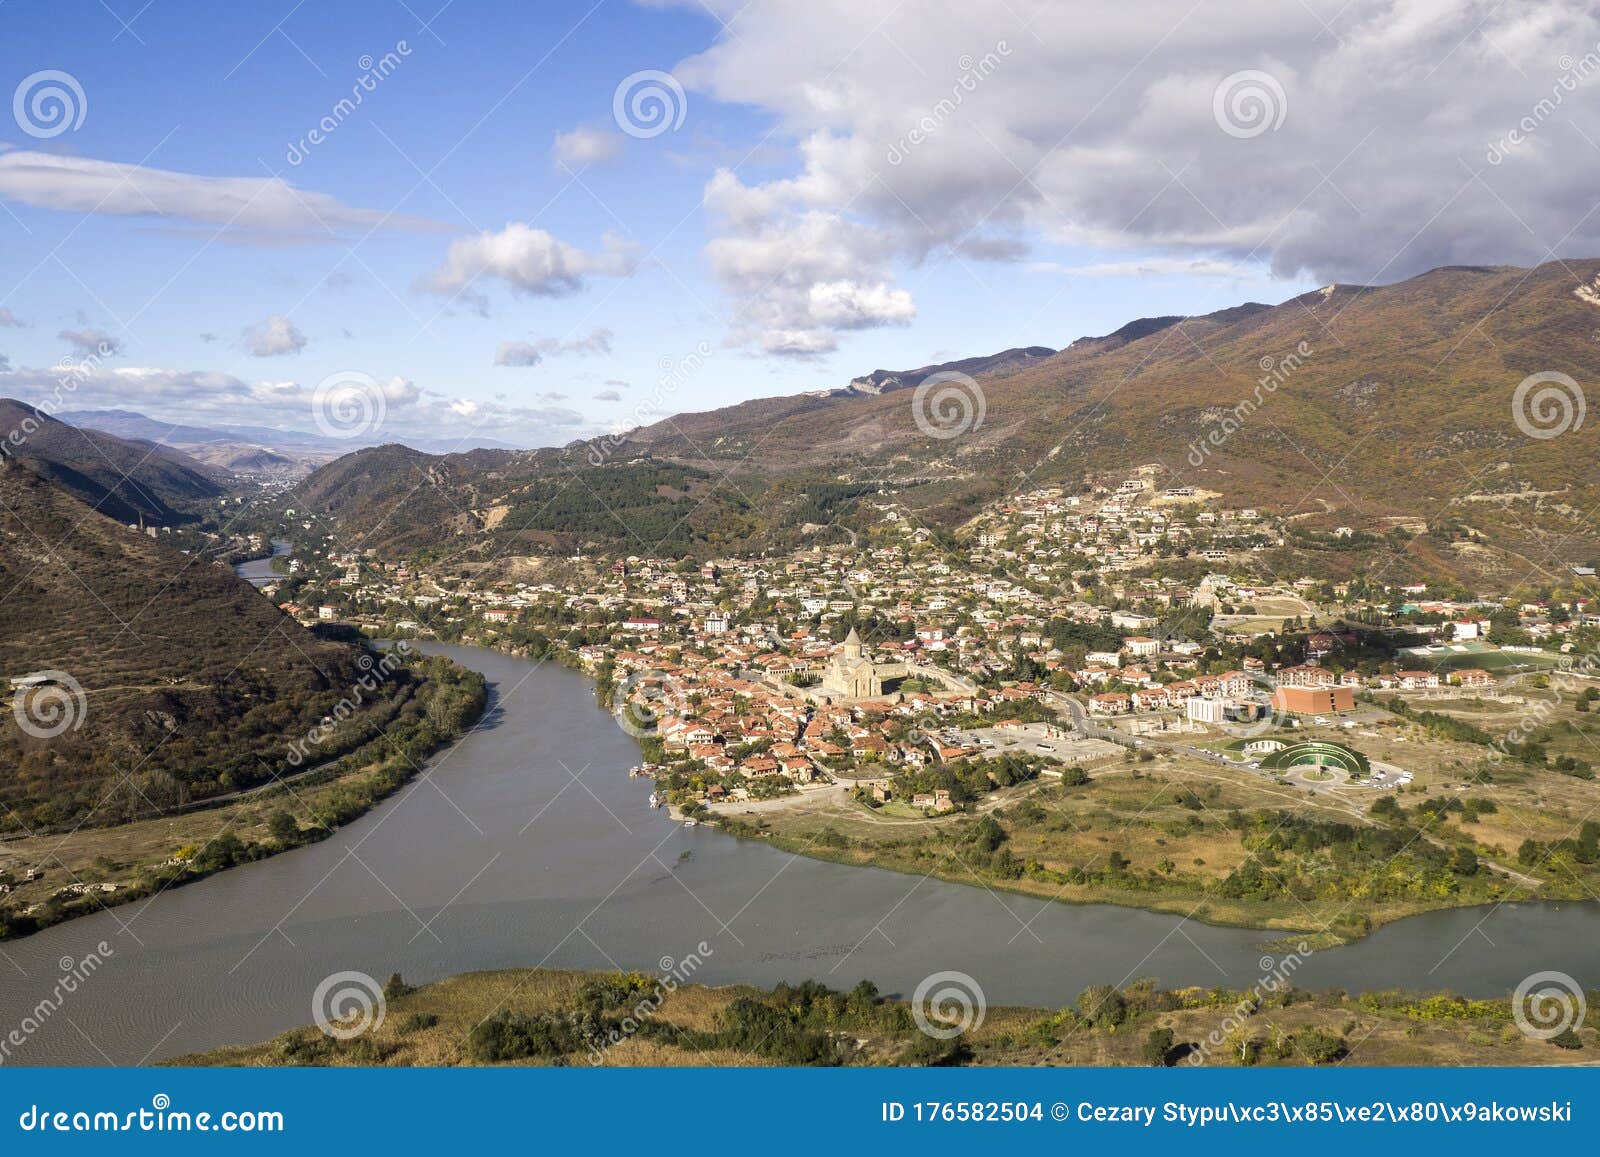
x=1059, y=633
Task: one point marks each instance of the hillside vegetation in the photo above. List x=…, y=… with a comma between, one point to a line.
x=548, y=1017
x=174, y=681
x=122, y=478
x=1374, y=407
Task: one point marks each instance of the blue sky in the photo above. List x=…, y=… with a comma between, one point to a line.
x=1070, y=175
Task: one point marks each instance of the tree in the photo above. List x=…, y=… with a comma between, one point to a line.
x=1385, y=807
x=1158, y=1047
x=282, y=827
x=1320, y=1048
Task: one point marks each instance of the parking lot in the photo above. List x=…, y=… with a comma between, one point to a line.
x=1039, y=739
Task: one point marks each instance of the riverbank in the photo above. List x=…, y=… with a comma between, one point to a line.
x=1165, y=833
x=1138, y=840
x=91, y=869
x=552, y=1017
x=529, y=845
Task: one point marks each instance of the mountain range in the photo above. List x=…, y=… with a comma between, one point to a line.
x=125, y=479
x=1399, y=410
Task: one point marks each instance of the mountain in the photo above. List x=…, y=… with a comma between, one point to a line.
x=767, y=411
x=131, y=424
x=176, y=679
x=1393, y=409
x=124, y=479
x=883, y=381
x=237, y=449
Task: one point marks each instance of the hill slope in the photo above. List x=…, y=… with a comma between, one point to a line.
x=122, y=479
x=192, y=685
x=1366, y=406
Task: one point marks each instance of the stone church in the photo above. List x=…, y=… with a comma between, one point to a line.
x=852, y=675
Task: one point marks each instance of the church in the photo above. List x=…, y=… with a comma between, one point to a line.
x=852, y=675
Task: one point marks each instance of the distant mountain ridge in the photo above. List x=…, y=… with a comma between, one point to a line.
x=123, y=479
x=883, y=381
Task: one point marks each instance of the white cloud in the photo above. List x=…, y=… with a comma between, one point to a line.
x=530, y=261
x=847, y=305
x=193, y=396
x=1156, y=267
x=984, y=130
x=8, y=320
x=524, y=353
x=586, y=145
x=274, y=338
x=83, y=185
x=91, y=342
x=608, y=396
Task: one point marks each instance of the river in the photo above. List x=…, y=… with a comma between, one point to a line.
x=258, y=571
x=528, y=844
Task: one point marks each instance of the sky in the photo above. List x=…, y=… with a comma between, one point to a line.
x=466, y=222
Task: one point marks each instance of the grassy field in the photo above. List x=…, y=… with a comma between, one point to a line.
x=536, y=1017
x=1230, y=846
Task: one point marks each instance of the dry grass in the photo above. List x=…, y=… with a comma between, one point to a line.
x=1006, y=1036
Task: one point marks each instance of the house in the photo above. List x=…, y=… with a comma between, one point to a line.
x=327, y=614
x=1110, y=703
x=1474, y=677
x=1305, y=675
x=1141, y=646
x=498, y=615
x=1416, y=680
